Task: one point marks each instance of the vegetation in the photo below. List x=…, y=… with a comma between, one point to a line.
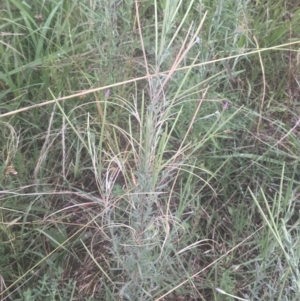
x=149, y=150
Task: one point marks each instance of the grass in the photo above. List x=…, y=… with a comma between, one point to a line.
x=149, y=150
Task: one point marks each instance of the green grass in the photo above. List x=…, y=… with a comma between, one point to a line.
x=149, y=150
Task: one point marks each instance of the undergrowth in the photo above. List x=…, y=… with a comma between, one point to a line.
x=149, y=150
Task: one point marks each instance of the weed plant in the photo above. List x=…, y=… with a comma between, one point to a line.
x=149, y=150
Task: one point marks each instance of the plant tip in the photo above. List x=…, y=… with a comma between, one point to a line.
x=107, y=92
x=225, y=106
x=219, y=290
